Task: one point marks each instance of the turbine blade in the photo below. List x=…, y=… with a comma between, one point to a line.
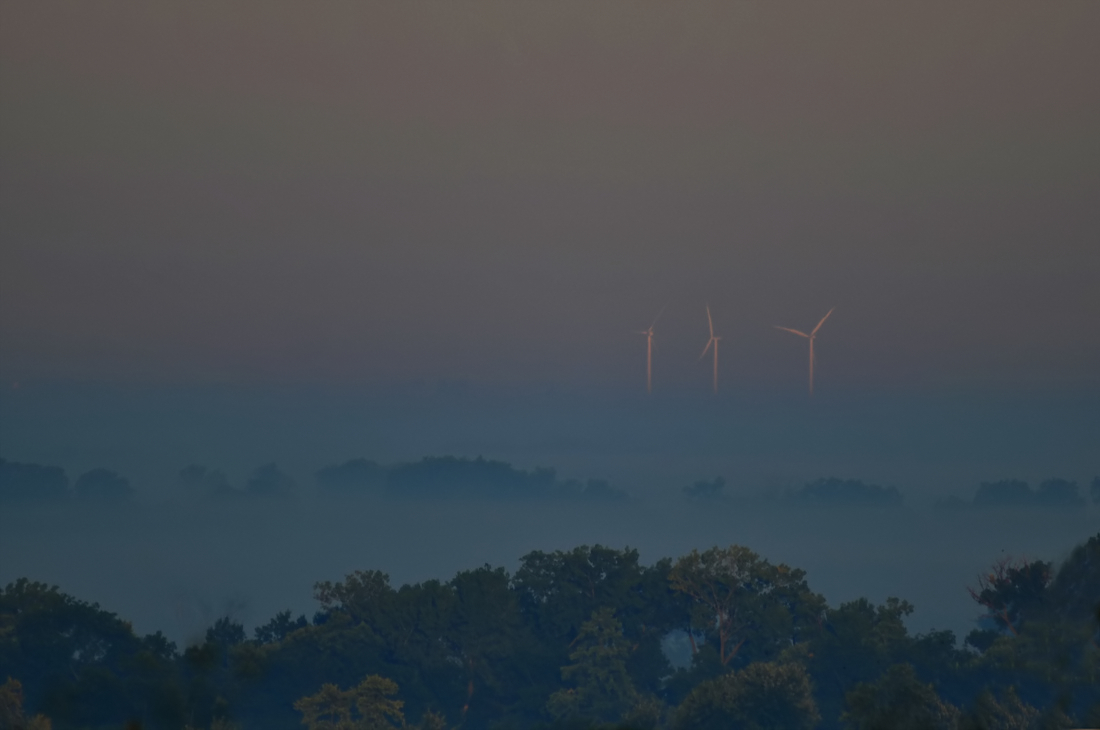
x=709, y=342
x=710, y=323
x=822, y=322
x=659, y=315
x=788, y=329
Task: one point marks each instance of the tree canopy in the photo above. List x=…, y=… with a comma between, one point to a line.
x=573, y=639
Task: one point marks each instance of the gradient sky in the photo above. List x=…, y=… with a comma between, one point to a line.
x=238, y=233
x=503, y=192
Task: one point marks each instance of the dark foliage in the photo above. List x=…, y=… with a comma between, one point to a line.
x=32, y=481
x=103, y=485
x=1013, y=590
x=1010, y=492
x=278, y=628
x=269, y=481
x=1015, y=493
x=454, y=477
x=450, y=476
x=82, y=666
x=1075, y=590
x=898, y=700
x=762, y=696
x=706, y=490
x=573, y=640
x=1059, y=493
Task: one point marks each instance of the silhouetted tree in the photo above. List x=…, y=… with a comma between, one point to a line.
x=82, y=666
x=1007, y=713
x=367, y=706
x=278, y=628
x=486, y=635
x=898, y=701
x=1074, y=592
x=1059, y=493
x=224, y=634
x=32, y=481
x=559, y=591
x=736, y=595
x=1008, y=492
x=1011, y=591
x=269, y=481
x=762, y=696
x=706, y=490
x=363, y=595
x=103, y=485
x=577, y=634
x=601, y=687
x=12, y=716
x=452, y=476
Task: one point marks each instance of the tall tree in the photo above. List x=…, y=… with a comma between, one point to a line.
x=81, y=665
x=364, y=595
x=1007, y=713
x=485, y=634
x=737, y=594
x=762, y=696
x=898, y=701
x=601, y=687
x=1012, y=591
x=367, y=706
x=559, y=591
x=12, y=716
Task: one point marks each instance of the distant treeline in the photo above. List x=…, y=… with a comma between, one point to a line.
x=852, y=492
x=450, y=476
x=831, y=491
x=575, y=639
x=457, y=477
x=433, y=477
x=1015, y=493
x=37, y=482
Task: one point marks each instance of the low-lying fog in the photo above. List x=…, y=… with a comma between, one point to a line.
x=173, y=562
x=177, y=567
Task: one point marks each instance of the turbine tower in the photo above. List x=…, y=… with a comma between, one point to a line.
x=809, y=337
x=649, y=351
x=712, y=341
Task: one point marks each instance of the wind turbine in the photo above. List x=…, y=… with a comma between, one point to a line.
x=809, y=337
x=649, y=351
x=712, y=341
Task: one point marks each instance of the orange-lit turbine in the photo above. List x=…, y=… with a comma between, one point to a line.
x=810, y=337
x=649, y=351
x=712, y=341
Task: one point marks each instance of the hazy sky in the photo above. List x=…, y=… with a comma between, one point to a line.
x=503, y=192
x=238, y=233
